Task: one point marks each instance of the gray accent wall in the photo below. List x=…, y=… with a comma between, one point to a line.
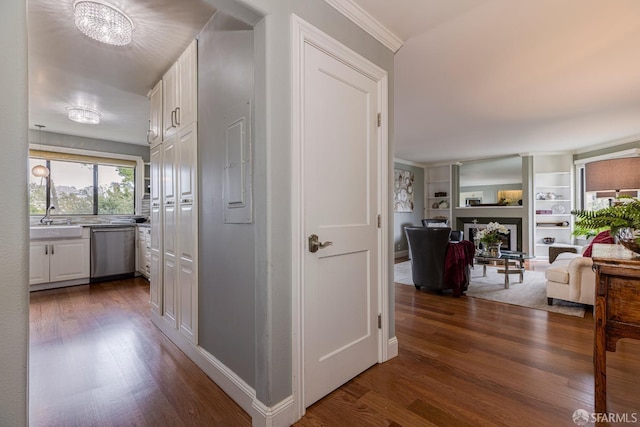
x=227, y=277
x=272, y=174
x=408, y=219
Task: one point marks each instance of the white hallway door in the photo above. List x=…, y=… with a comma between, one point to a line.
x=341, y=205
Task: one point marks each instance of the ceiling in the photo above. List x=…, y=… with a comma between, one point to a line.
x=473, y=79
x=483, y=78
x=67, y=68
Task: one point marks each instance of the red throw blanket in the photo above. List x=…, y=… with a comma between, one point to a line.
x=458, y=256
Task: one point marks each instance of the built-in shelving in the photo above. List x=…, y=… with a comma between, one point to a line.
x=553, y=202
x=438, y=181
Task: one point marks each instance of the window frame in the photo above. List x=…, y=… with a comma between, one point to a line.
x=139, y=171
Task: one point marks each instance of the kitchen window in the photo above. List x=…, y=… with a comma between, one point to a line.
x=82, y=185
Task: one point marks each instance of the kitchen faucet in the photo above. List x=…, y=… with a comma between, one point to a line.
x=45, y=219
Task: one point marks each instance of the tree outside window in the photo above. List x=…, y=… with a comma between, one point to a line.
x=77, y=188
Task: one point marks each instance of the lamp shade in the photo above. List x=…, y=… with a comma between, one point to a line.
x=613, y=175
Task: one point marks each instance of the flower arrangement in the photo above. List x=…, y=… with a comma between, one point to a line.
x=490, y=234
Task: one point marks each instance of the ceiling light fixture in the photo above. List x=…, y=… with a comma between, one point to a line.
x=40, y=171
x=103, y=22
x=83, y=115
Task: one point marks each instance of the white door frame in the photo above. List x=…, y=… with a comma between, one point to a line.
x=302, y=33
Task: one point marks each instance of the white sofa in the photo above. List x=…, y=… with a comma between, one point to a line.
x=571, y=278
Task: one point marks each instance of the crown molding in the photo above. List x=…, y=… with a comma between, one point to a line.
x=367, y=22
x=408, y=162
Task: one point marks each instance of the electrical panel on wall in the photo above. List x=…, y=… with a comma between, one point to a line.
x=237, y=192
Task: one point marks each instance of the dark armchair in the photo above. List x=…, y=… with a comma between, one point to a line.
x=438, y=263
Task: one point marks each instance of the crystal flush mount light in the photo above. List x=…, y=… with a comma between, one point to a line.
x=103, y=22
x=83, y=115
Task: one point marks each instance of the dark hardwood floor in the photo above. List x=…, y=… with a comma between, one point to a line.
x=96, y=359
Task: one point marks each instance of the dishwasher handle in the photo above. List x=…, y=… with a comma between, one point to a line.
x=111, y=229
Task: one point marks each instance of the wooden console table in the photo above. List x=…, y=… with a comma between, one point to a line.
x=617, y=308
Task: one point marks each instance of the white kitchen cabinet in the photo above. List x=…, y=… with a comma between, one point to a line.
x=174, y=220
x=38, y=262
x=187, y=163
x=63, y=261
x=188, y=86
x=180, y=88
x=156, y=231
x=154, y=134
x=169, y=264
x=156, y=174
x=169, y=165
x=144, y=251
x=187, y=228
x=170, y=101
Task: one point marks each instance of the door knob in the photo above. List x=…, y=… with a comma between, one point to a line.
x=315, y=244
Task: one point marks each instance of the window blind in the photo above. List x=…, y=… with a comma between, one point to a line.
x=50, y=155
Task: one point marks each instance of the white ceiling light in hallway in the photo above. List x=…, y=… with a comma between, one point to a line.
x=83, y=115
x=103, y=22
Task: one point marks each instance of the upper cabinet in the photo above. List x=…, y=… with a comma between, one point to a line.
x=154, y=134
x=180, y=87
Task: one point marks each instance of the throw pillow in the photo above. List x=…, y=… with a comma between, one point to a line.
x=602, y=237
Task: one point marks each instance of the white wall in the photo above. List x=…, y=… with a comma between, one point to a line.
x=14, y=293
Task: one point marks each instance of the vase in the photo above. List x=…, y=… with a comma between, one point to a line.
x=630, y=239
x=492, y=249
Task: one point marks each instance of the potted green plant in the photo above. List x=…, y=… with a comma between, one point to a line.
x=622, y=219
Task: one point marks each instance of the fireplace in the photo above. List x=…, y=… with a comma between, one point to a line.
x=513, y=241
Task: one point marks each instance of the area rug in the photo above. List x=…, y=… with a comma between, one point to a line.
x=531, y=293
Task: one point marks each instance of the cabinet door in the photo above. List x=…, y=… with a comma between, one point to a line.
x=188, y=284
x=169, y=171
x=169, y=101
x=156, y=174
x=187, y=163
x=140, y=251
x=156, y=257
x=169, y=264
x=68, y=259
x=155, y=115
x=188, y=299
x=38, y=263
x=187, y=97
x=169, y=287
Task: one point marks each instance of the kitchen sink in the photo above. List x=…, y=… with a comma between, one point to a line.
x=55, y=231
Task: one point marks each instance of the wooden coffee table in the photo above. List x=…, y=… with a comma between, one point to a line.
x=512, y=262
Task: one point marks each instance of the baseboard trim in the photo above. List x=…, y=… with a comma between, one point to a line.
x=392, y=348
x=281, y=414
x=63, y=284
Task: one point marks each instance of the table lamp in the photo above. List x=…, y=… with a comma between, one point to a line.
x=613, y=175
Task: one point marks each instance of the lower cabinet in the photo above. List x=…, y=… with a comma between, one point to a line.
x=61, y=260
x=144, y=251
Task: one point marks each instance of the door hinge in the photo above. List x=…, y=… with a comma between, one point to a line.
x=379, y=221
x=379, y=321
x=379, y=119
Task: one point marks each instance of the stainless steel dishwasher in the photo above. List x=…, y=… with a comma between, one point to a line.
x=113, y=252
